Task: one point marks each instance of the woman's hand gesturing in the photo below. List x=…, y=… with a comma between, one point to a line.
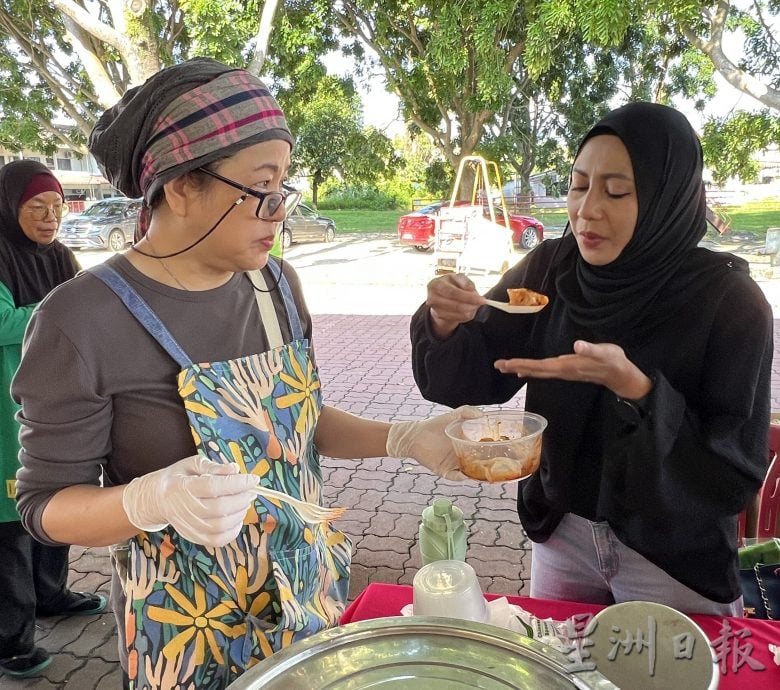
x=602, y=363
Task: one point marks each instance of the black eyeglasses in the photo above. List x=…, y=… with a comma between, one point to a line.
x=268, y=204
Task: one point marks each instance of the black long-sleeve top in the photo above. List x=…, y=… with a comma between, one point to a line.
x=670, y=479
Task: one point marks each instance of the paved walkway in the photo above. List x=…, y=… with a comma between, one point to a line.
x=364, y=364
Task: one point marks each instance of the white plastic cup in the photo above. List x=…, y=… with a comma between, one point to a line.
x=449, y=588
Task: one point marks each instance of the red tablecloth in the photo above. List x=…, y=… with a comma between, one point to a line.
x=381, y=600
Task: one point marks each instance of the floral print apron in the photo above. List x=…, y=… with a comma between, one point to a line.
x=197, y=617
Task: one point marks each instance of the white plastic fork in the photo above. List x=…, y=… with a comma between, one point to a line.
x=309, y=512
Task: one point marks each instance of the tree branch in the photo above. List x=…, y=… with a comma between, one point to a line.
x=262, y=37
x=713, y=48
x=79, y=39
x=55, y=79
x=58, y=135
x=103, y=32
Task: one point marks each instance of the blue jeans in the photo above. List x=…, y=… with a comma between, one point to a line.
x=585, y=561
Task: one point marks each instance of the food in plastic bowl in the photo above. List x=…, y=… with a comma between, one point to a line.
x=501, y=446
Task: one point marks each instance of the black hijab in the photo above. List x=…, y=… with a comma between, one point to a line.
x=28, y=269
x=661, y=265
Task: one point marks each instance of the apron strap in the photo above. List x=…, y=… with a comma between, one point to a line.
x=266, y=305
x=268, y=317
x=151, y=322
x=142, y=311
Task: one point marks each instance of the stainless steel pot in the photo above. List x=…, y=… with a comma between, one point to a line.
x=430, y=653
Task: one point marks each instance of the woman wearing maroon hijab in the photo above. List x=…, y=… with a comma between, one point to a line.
x=33, y=577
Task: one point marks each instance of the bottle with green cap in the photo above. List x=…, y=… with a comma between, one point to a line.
x=442, y=532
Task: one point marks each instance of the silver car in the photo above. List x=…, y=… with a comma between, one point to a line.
x=107, y=224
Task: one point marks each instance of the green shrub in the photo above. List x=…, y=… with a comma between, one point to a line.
x=385, y=196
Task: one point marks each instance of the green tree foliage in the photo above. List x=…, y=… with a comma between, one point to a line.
x=467, y=73
x=684, y=41
x=220, y=29
x=438, y=179
x=517, y=80
x=421, y=168
x=331, y=138
x=369, y=156
x=41, y=75
x=300, y=38
x=549, y=114
x=703, y=23
x=729, y=143
x=449, y=61
x=73, y=58
x=707, y=24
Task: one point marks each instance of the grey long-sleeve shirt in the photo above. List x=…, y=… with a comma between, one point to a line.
x=98, y=393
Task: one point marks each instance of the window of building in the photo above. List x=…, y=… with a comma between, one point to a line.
x=64, y=160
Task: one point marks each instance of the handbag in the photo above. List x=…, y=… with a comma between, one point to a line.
x=759, y=575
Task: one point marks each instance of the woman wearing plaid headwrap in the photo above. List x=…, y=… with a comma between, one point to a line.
x=196, y=345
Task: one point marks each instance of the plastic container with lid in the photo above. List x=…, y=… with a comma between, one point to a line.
x=442, y=534
x=451, y=589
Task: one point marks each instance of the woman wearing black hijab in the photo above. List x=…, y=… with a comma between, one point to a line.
x=651, y=364
x=33, y=577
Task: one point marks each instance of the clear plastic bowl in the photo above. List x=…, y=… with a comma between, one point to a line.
x=448, y=588
x=501, y=446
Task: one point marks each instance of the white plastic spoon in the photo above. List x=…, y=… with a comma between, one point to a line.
x=505, y=306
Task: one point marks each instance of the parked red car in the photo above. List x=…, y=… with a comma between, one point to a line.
x=417, y=228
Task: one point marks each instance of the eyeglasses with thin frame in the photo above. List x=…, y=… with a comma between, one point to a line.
x=268, y=204
x=41, y=211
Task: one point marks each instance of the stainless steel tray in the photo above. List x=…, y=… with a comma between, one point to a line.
x=403, y=653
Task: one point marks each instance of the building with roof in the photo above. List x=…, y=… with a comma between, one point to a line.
x=80, y=177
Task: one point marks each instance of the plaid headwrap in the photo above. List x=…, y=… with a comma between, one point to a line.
x=183, y=118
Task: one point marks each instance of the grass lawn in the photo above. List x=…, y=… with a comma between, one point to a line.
x=364, y=220
x=753, y=218
x=550, y=218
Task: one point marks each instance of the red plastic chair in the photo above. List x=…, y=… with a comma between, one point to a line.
x=768, y=521
x=761, y=519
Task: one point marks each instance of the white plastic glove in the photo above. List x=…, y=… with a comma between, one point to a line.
x=204, y=501
x=426, y=442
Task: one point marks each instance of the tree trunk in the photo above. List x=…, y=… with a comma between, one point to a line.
x=466, y=183
x=316, y=180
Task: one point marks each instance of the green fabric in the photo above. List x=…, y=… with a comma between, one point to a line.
x=764, y=552
x=13, y=321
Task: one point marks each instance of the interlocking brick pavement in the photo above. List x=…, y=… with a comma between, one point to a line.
x=365, y=369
